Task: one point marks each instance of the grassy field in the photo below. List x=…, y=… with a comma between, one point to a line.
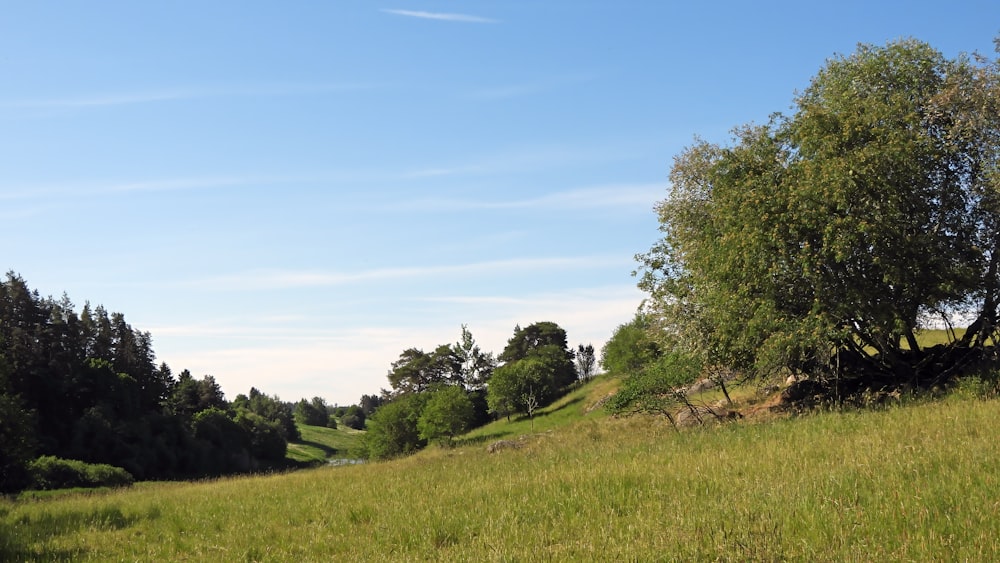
x=319, y=444
x=917, y=482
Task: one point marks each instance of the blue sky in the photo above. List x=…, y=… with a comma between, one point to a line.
x=289, y=194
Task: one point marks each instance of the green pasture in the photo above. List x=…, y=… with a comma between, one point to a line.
x=916, y=482
x=319, y=443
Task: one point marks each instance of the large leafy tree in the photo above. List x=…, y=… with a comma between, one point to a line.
x=835, y=232
x=416, y=371
x=545, y=341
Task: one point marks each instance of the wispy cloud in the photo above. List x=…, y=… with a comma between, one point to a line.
x=290, y=279
x=179, y=94
x=532, y=157
x=464, y=18
x=638, y=196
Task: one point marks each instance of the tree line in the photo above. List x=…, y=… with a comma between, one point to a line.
x=81, y=395
x=437, y=396
x=85, y=386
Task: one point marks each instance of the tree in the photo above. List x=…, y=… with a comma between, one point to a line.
x=448, y=413
x=312, y=413
x=17, y=444
x=821, y=241
x=416, y=371
x=272, y=409
x=585, y=361
x=545, y=341
x=630, y=348
x=392, y=430
x=267, y=441
x=513, y=384
x=354, y=418
x=369, y=403
x=476, y=366
x=532, y=337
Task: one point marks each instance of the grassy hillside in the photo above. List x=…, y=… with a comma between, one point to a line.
x=566, y=411
x=319, y=443
x=919, y=482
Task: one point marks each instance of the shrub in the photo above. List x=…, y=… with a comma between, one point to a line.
x=50, y=472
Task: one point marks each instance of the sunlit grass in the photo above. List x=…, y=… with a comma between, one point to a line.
x=319, y=443
x=918, y=482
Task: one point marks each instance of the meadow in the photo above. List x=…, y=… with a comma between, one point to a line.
x=318, y=444
x=913, y=482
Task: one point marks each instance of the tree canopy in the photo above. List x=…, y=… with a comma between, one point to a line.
x=828, y=238
x=86, y=387
x=538, y=367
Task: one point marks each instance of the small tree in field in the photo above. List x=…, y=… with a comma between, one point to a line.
x=530, y=400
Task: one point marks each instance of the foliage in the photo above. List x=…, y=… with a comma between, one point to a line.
x=630, y=348
x=515, y=383
x=354, y=418
x=369, y=404
x=85, y=386
x=271, y=408
x=538, y=368
x=656, y=389
x=462, y=364
x=50, y=472
x=874, y=206
x=535, y=336
x=313, y=413
x=16, y=443
x=393, y=430
x=586, y=360
x=416, y=371
x=448, y=413
x=476, y=366
x=267, y=440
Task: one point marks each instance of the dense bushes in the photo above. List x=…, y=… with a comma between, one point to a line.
x=50, y=472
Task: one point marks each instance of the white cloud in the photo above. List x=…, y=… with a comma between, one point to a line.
x=284, y=279
x=464, y=18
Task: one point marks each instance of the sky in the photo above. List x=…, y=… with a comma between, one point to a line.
x=287, y=195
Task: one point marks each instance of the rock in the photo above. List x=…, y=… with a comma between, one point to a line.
x=700, y=386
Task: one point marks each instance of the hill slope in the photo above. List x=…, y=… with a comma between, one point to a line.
x=319, y=444
x=909, y=483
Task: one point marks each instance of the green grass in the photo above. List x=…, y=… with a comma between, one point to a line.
x=916, y=482
x=319, y=443
x=566, y=410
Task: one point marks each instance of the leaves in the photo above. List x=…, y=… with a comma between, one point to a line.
x=873, y=205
